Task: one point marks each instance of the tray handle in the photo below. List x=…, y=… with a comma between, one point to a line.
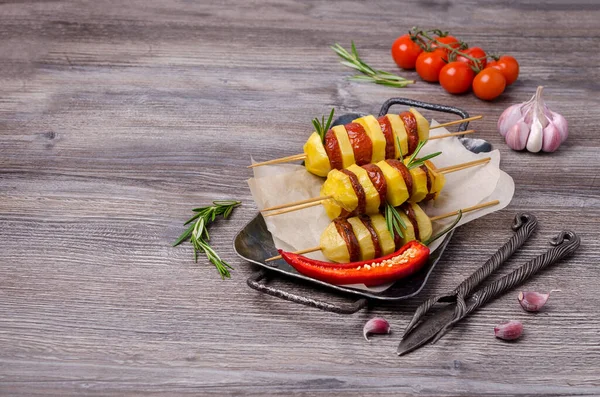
x=254, y=283
x=424, y=105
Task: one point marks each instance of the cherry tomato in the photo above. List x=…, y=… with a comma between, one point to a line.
x=489, y=84
x=456, y=77
x=508, y=66
x=405, y=52
x=429, y=64
x=449, y=40
x=474, y=52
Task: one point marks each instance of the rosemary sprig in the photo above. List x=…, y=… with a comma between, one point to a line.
x=369, y=74
x=198, y=232
x=443, y=232
x=321, y=126
x=414, y=162
x=394, y=222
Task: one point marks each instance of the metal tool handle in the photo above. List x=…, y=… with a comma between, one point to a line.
x=524, y=226
x=566, y=242
x=254, y=283
x=424, y=105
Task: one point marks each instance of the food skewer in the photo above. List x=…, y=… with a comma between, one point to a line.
x=363, y=190
x=367, y=237
x=302, y=156
x=365, y=140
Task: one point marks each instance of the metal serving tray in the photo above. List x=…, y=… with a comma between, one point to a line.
x=254, y=242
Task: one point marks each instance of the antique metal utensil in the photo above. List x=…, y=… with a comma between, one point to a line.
x=465, y=301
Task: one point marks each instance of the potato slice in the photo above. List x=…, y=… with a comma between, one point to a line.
x=423, y=221
x=365, y=242
x=317, y=161
x=333, y=245
x=373, y=130
x=345, y=147
x=385, y=237
x=372, y=196
x=422, y=125
x=409, y=232
x=332, y=209
x=439, y=180
x=397, y=193
x=419, y=190
x=400, y=133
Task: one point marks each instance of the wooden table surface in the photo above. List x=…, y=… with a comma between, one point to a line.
x=118, y=117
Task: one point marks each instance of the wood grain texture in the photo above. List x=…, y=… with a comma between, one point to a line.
x=117, y=117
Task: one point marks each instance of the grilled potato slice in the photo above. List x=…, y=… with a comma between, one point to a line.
x=333, y=245
x=373, y=130
x=317, y=161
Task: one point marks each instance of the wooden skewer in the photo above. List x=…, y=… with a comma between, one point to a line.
x=287, y=159
x=456, y=122
x=294, y=208
x=310, y=200
x=304, y=251
x=302, y=156
x=432, y=219
x=465, y=210
x=463, y=166
x=451, y=134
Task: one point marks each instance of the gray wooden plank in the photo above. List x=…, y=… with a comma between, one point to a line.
x=116, y=119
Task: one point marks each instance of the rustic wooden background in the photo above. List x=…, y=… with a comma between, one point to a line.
x=116, y=118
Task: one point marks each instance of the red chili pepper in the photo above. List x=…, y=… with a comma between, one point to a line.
x=407, y=260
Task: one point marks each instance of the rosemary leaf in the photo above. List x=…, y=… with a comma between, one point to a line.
x=443, y=232
x=354, y=61
x=393, y=221
x=419, y=162
x=184, y=236
x=417, y=150
x=321, y=127
x=198, y=234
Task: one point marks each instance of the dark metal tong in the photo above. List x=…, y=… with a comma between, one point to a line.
x=466, y=301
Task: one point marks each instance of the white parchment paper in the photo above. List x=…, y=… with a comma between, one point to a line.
x=279, y=184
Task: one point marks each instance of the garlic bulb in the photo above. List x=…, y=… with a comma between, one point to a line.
x=532, y=126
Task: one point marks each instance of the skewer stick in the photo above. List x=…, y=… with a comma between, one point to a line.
x=298, y=205
x=294, y=208
x=287, y=159
x=451, y=134
x=304, y=251
x=310, y=200
x=456, y=122
x=302, y=156
x=463, y=166
x=432, y=219
x=465, y=210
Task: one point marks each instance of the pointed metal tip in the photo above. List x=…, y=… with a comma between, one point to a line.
x=410, y=327
x=406, y=346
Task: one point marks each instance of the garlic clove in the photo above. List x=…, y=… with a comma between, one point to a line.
x=508, y=118
x=516, y=137
x=533, y=301
x=561, y=124
x=551, y=138
x=535, y=139
x=510, y=330
x=376, y=325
